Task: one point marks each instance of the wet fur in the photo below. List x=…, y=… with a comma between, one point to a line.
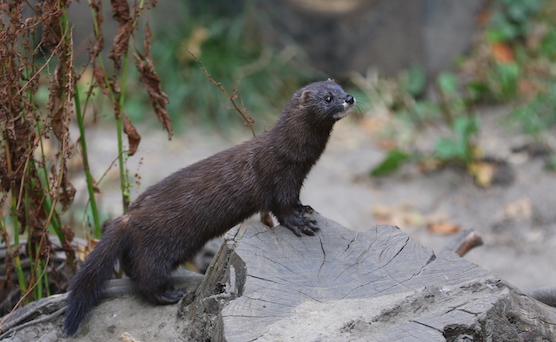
x=172, y=220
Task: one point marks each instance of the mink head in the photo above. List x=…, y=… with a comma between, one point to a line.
x=326, y=101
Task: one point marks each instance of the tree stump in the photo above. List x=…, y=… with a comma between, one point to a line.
x=269, y=285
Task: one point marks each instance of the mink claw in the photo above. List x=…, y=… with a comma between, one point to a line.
x=295, y=230
x=302, y=225
x=310, y=229
x=312, y=224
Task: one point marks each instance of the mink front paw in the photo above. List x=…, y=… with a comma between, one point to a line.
x=301, y=224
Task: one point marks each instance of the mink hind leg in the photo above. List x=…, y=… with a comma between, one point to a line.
x=153, y=281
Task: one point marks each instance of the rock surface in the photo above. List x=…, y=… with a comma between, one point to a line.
x=388, y=35
x=268, y=285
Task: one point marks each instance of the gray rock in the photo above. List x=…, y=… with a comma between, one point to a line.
x=389, y=35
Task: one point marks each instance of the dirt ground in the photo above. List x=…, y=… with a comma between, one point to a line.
x=517, y=221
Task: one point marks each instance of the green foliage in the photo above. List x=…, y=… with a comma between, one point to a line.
x=539, y=114
x=521, y=72
x=511, y=20
x=394, y=159
x=551, y=163
x=453, y=103
x=415, y=81
x=514, y=64
x=40, y=100
x=548, y=44
x=235, y=55
x=505, y=80
x=459, y=147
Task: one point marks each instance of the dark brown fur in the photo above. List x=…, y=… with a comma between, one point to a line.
x=171, y=221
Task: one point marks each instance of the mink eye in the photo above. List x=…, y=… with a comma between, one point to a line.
x=328, y=99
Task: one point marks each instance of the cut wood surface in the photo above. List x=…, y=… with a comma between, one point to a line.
x=345, y=286
x=269, y=285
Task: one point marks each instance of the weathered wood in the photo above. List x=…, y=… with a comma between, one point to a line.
x=345, y=286
x=268, y=285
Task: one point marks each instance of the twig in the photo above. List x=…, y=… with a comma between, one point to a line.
x=265, y=215
x=464, y=242
x=30, y=310
x=35, y=321
x=243, y=112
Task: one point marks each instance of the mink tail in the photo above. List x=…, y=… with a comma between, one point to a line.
x=89, y=283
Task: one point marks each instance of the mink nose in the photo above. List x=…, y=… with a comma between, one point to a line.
x=349, y=99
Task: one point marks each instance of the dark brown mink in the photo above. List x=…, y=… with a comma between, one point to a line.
x=171, y=221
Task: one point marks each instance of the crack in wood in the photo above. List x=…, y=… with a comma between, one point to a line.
x=352, y=241
x=426, y=325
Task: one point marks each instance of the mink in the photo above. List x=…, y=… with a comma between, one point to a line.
x=171, y=221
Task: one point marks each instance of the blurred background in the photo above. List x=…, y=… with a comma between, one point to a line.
x=454, y=127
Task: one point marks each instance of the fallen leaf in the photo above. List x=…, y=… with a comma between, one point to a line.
x=415, y=218
x=84, y=251
x=528, y=89
x=127, y=337
x=443, y=227
x=483, y=173
x=402, y=215
x=520, y=209
x=502, y=53
x=429, y=164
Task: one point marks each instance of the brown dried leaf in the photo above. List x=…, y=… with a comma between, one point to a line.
x=147, y=42
x=150, y=80
x=84, y=251
x=98, y=17
x=401, y=215
x=69, y=234
x=521, y=209
x=66, y=192
x=57, y=123
x=502, y=53
x=96, y=189
x=483, y=173
x=99, y=78
x=121, y=13
x=50, y=18
x=443, y=227
x=132, y=136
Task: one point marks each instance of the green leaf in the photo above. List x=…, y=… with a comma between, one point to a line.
x=416, y=81
x=551, y=163
x=448, y=83
x=465, y=127
x=391, y=163
x=446, y=149
x=508, y=76
x=459, y=148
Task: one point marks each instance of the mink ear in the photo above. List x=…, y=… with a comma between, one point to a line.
x=305, y=96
